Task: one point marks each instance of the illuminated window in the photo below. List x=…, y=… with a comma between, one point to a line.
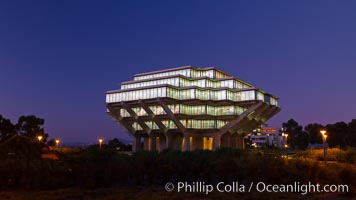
x=124, y=113
x=207, y=143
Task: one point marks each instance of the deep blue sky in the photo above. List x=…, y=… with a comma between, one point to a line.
x=57, y=58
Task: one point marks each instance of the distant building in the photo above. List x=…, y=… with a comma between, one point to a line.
x=189, y=108
x=267, y=136
x=20, y=147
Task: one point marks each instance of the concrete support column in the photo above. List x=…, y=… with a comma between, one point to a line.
x=136, y=145
x=233, y=141
x=228, y=140
x=216, y=142
x=146, y=144
x=186, y=142
x=162, y=142
x=153, y=143
x=168, y=140
x=240, y=142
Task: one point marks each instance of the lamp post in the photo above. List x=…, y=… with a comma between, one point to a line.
x=286, y=144
x=100, y=142
x=57, y=142
x=323, y=133
x=39, y=138
x=282, y=140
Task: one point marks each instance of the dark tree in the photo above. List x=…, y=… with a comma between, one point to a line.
x=338, y=134
x=297, y=138
x=352, y=133
x=116, y=144
x=7, y=129
x=313, y=130
x=51, y=142
x=31, y=126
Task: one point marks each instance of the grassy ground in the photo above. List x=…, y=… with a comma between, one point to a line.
x=99, y=169
x=152, y=192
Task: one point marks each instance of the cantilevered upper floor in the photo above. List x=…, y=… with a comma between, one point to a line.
x=189, y=108
x=187, y=71
x=187, y=83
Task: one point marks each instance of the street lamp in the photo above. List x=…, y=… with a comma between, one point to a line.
x=39, y=138
x=57, y=142
x=286, y=145
x=254, y=145
x=100, y=142
x=282, y=139
x=323, y=133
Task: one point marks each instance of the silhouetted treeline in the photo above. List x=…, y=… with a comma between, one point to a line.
x=30, y=126
x=339, y=134
x=93, y=168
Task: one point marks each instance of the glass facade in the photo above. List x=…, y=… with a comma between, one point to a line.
x=136, y=95
x=188, y=110
x=224, y=110
x=183, y=72
x=260, y=96
x=208, y=143
x=187, y=82
x=136, y=126
x=124, y=113
x=187, y=123
x=248, y=95
x=169, y=124
x=139, y=111
x=202, y=73
x=273, y=101
x=196, y=124
x=185, y=94
x=169, y=81
x=157, y=110
x=192, y=110
x=189, y=72
x=152, y=125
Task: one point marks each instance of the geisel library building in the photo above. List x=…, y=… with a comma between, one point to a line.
x=189, y=108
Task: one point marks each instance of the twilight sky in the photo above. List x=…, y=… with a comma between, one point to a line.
x=57, y=58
